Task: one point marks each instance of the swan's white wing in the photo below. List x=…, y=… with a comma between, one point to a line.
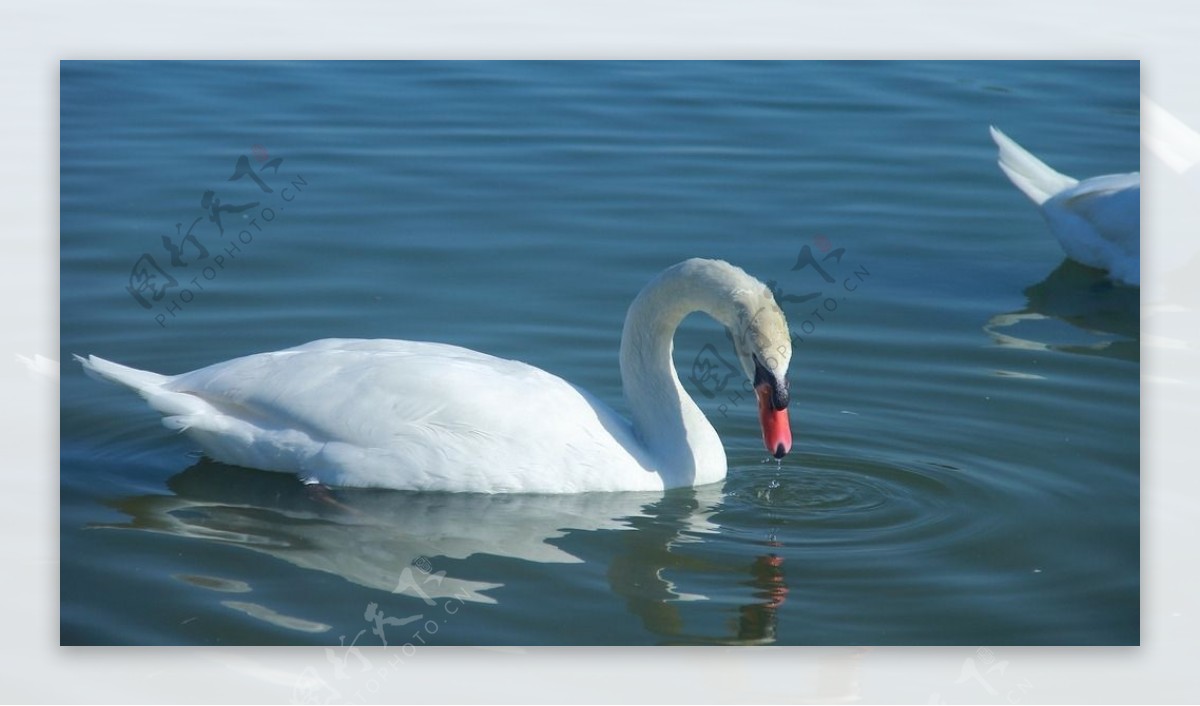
x=364, y=392
x=403, y=414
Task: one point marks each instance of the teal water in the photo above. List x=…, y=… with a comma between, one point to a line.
x=965, y=403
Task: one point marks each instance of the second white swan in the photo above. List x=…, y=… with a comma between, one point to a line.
x=429, y=416
x=1097, y=221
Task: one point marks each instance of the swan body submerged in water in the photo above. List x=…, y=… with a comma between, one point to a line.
x=430, y=416
x=1097, y=221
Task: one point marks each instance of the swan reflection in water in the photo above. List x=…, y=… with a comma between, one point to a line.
x=376, y=538
x=1103, y=316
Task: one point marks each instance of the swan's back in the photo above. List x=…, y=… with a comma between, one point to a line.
x=1098, y=223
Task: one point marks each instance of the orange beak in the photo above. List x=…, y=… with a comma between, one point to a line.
x=776, y=430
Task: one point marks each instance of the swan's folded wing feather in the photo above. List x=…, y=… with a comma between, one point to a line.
x=367, y=394
x=434, y=408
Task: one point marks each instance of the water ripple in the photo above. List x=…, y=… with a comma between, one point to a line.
x=843, y=501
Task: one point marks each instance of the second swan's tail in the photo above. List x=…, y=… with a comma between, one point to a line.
x=1030, y=174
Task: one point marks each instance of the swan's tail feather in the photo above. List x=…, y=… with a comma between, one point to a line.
x=151, y=386
x=222, y=435
x=1030, y=174
x=138, y=380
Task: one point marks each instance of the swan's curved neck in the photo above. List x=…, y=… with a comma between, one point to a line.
x=672, y=427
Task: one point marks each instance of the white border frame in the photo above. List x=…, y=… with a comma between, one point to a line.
x=34, y=37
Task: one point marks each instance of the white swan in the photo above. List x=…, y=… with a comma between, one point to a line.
x=1097, y=221
x=430, y=416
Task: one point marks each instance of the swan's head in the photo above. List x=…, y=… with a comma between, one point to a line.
x=747, y=309
x=764, y=348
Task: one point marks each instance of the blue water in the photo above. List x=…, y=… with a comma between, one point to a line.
x=965, y=403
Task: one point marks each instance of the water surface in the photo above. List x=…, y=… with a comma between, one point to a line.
x=965, y=402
